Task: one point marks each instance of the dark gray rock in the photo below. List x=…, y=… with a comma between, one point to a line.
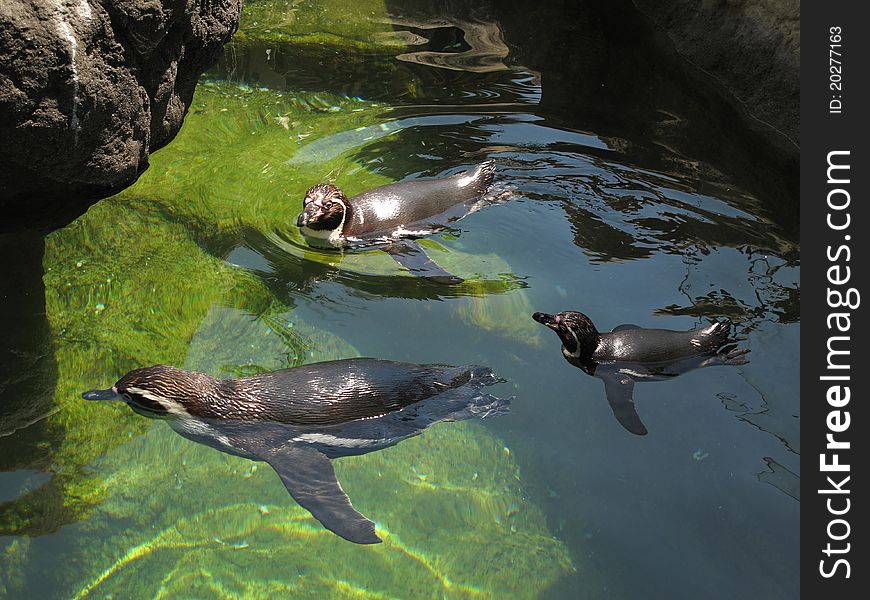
x=751, y=46
x=88, y=88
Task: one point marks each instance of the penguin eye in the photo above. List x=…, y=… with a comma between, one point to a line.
x=327, y=205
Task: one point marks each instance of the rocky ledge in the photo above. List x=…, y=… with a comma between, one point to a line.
x=752, y=47
x=88, y=89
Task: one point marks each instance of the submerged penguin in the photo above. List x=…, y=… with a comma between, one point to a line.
x=392, y=215
x=298, y=419
x=631, y=353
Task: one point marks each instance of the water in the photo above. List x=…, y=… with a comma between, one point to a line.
x=637, y=199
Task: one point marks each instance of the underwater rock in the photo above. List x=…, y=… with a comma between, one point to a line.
x=219, y=526
x=90, y=89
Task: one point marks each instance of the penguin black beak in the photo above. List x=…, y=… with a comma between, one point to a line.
x=549, y=320
x=311, y=214
x=109, y=394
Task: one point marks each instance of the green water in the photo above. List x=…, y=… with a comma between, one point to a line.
x=618, y=211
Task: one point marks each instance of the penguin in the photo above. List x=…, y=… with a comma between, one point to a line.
x=392, y=216
x=631, y=353
x=300, y=418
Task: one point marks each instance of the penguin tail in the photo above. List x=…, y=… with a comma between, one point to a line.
x=489, y=193
x=481, y=178
x=464, y=398
x=719, y=336
x=486, y=173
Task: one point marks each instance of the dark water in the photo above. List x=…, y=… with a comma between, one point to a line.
x=639, y=197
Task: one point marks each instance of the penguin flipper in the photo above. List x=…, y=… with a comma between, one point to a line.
x=619, y=389
x=411, y=256
x=309, y=477
x=624, y=327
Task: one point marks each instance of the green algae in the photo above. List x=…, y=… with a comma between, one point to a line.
x=231, y=343
x=229, y=166
x=360, y=25
x=447, y=503
x=13, y=561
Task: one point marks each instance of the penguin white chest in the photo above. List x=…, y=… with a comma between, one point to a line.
x=324, y=238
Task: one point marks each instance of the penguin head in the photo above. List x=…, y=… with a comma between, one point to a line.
x=160, y=390
x=323, y=208
x=576, y=330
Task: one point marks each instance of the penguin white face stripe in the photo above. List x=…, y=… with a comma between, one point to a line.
x=333, y=237
x=340, y=227
x=321, y=234
x=576, y=353
x=167, y=404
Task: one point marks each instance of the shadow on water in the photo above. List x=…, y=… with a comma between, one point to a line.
x=605, y=69
x=30, y=501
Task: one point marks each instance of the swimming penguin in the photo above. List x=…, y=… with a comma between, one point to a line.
x=630, y=353
x=392, y=215
x=297, y=419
